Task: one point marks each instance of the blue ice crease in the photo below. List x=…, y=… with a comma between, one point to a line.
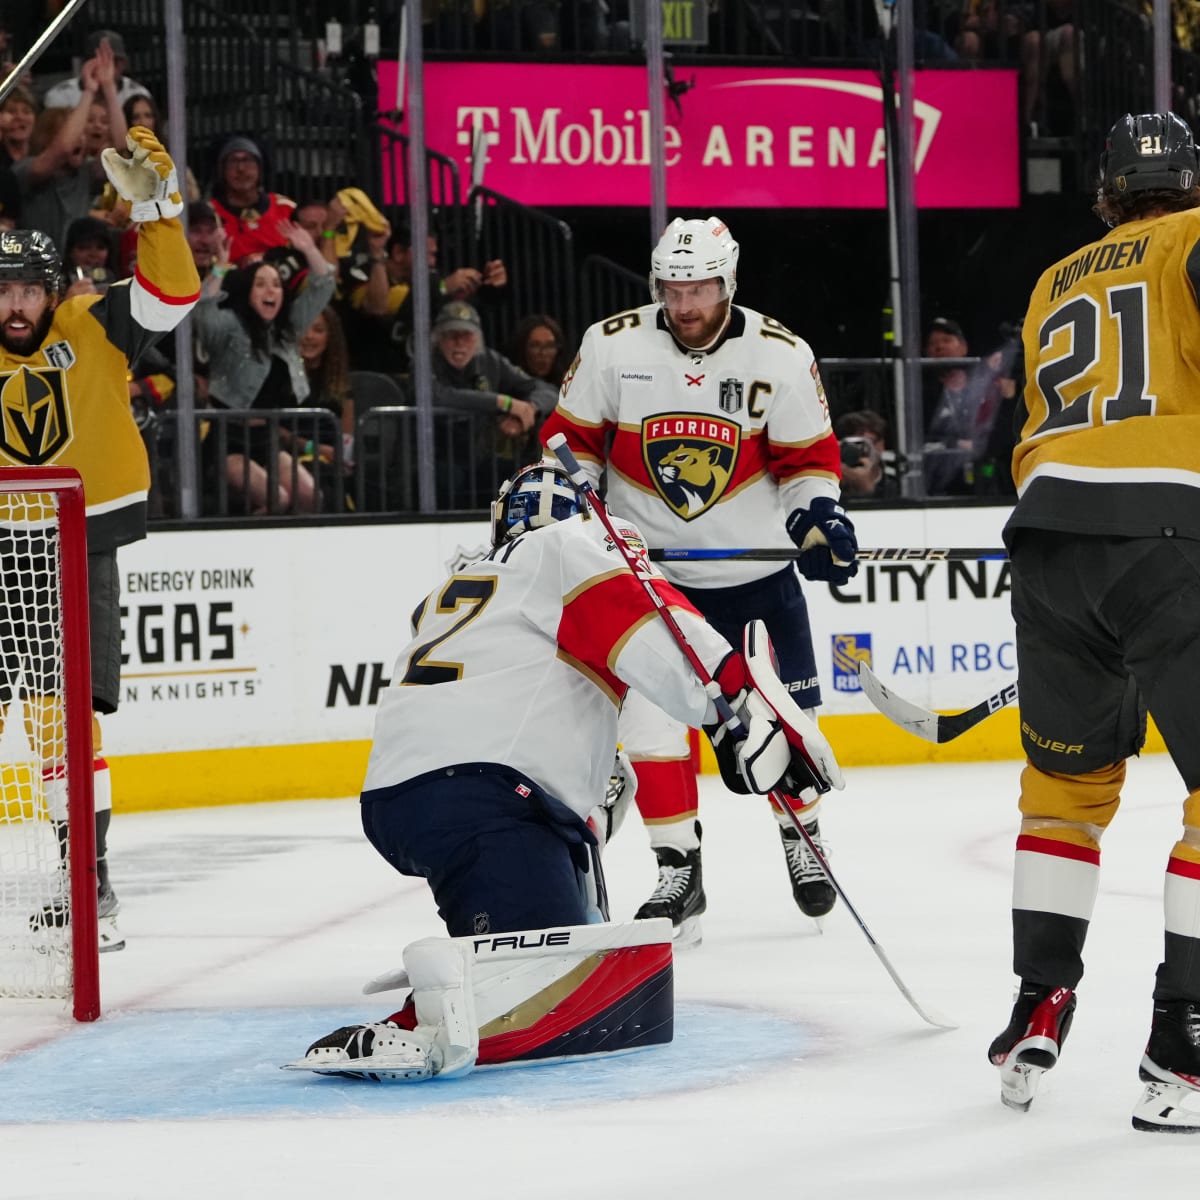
x=187, y=1064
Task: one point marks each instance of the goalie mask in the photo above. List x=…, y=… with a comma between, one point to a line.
x=535, y=496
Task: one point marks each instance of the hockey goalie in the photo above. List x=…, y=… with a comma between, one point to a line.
x=490, y=776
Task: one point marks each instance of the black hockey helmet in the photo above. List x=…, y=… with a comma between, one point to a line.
x=535, y=496
x=28, y=255
x=1148, y=151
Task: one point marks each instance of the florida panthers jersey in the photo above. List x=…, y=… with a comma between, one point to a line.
x=522, y=660
x=708, y=449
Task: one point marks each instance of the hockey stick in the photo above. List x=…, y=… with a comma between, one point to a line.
x=558, y=444
x=933, y=727
x=880, y=554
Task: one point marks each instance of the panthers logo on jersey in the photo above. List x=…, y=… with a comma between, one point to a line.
x=689, y=458
x=34, y=420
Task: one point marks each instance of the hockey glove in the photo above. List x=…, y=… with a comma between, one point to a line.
x=825, y=535
x=147, y=179
x=758, y=761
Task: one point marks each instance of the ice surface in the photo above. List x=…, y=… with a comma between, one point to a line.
x=798, y=1069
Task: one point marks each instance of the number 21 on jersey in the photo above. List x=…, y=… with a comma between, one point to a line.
x=1098, y=346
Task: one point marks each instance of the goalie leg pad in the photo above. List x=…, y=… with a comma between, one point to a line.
x=573, y=992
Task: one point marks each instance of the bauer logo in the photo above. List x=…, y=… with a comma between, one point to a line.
x=849, y=649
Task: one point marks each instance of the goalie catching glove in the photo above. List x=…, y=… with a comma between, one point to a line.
x=147, y=179
x=782, y=748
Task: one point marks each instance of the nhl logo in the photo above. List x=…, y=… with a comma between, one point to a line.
x=731, y=395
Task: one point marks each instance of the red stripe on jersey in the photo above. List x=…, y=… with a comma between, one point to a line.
x=1040, y=845
x=160, y=295
x=586, y=440
x=616, y=974
x=596, y=620
x=821, y=457
x=1181, y=866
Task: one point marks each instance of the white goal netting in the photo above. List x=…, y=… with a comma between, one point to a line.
x=35, y=941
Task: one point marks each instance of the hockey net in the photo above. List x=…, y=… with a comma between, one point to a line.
x=48, y=932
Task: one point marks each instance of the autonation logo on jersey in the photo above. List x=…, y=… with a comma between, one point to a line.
x=849, y=649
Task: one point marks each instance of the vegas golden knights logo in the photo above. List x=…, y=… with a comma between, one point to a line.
x=690, y=459
x=34, y=423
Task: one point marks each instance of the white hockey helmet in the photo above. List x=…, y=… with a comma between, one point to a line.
x=694, y=250
x=536, y=495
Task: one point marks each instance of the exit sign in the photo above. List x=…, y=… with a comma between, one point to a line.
x=685, y=22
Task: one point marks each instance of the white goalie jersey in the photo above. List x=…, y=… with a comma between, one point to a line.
x=708, y=449
x=522, y=660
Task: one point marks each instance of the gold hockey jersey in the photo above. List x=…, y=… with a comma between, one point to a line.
x=67, y=403
x=1111, y=437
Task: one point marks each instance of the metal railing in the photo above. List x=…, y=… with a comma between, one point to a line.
x=472, y=459
x=540, y=253
x=606, y=287
x=241, y=466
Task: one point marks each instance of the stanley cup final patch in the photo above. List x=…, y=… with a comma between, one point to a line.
x=731, y=396
x=690, y=459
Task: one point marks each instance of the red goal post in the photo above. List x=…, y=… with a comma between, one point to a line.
x=49, y=944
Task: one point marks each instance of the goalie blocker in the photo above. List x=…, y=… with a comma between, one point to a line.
x=521, y=998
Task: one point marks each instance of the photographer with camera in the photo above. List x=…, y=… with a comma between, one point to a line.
x=868, y=467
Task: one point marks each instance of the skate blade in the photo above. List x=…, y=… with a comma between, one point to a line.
x=687, y=934
x=1018, y=1085
x=111, y=938
x=383, y=1068
x=1161, y=1109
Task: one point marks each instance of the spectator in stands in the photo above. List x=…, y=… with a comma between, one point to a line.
x=962, y=418
x=995, y=32
x=112, y=45
x=57, y=181
x=202, y=226
x=310, y=215
x=250, y=334
x=17, y=116
x=868, y=466
x=88, y=256
x=382, y=307
x=10, y=200
x=540, y=349
x=327, y=366
x=1060, y=68
x=472, y=378
x=140, y=109
x=251, y=215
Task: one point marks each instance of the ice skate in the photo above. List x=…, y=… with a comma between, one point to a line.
x=395, y=1055
x=1170, y=1069
x=57, y=915
x=107, y=907
x=813, y=893
x=679, y=894
x=1029, y=1047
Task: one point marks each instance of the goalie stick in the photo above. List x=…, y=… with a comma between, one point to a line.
x=877, y=554
x=558, y=444
x=933, y=727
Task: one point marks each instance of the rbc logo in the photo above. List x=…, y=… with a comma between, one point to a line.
x=849, y=649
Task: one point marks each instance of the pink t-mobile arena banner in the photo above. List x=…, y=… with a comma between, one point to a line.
x=746, y=137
